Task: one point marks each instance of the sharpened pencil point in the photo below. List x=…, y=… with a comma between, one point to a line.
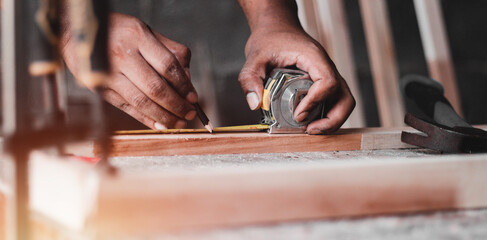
x=209, y=127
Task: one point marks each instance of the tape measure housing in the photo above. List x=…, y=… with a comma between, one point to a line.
x=284, y=90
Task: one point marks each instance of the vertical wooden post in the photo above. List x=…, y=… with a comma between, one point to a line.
x=436, y=48
x=383, y=61
x=334, y=35
x=307, y=17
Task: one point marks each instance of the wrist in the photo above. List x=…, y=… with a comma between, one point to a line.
x=271, y=14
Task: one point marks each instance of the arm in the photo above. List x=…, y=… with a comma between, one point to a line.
x=278, y=40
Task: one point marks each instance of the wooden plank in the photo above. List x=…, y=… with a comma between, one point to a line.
x=436, y=48
x=258, y=142
x=383, y=61
x=228, y=143
x=234, y=197
x=149, y=202
x=334, y=35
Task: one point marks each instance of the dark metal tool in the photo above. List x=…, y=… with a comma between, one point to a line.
x=441, y=128
x=445, y=139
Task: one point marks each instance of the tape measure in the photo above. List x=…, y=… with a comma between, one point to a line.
x=283, y=91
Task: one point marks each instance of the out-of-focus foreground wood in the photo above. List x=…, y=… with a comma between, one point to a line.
x=147, y=203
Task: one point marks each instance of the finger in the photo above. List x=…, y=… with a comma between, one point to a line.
x=326, y=82
x=317, y=93
x=157, y=89
x=181, y=52
x=168, y=66
x=138, y=100
x=251, y=80
x=118, y=101
x=335, y=118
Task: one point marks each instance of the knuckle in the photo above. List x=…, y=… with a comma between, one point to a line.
x=181, y=108
x=244, y=76
x=183, y=51
x=138, y=25
x=169, y=66
x=124, y=106
x=332, y=84
x=156, y=88
x=139, y=101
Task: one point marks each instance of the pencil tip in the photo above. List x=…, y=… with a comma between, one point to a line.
x=209, y=127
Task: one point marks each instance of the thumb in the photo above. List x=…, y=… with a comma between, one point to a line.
x=251, y=80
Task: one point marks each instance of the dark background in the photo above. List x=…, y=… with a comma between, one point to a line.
x=216, y=31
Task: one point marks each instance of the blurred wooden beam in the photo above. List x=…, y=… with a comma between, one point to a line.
x=334, y=35
x=154, y=203
x=436, y=48
x=308, y=18
x=382, y=57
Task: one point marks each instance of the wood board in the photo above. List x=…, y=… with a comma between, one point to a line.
x=257, y=142
x=147, y=203
x=228, y=198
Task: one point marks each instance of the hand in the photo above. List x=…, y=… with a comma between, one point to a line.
x=149, y=77
x=269, y=48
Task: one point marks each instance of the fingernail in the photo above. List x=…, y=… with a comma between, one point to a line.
x=190, y=115
x=192, y=97
x=159, y=126
x=253, y=100
x=302, y=116
x=180, y=124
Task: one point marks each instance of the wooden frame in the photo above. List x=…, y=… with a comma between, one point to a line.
x=436, y=48
x=336, y=38
x=383, y=61
x=325, y=20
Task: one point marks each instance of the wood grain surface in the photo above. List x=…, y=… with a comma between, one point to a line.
x=255, y=142
x=228, y=143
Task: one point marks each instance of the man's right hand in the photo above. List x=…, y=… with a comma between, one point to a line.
x=149, y=77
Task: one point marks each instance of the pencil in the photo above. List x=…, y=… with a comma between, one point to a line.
x=204, y=119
